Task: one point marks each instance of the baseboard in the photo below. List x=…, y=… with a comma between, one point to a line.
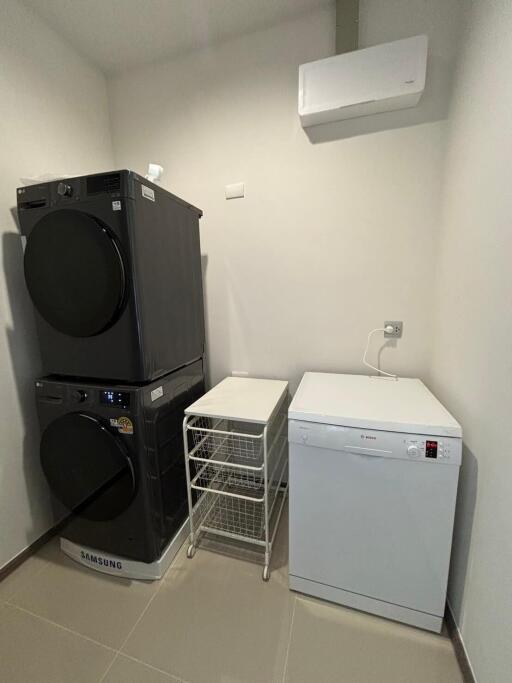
x=460, y=650
x=31, y=549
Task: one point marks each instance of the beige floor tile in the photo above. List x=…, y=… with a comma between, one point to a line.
x=104, y=608
x=20, y=577
x=180, y=558
x=331, y=644
x=34, y=650
x=125, y=670
x=215, y=620
x=244, y=551
x=50, y=551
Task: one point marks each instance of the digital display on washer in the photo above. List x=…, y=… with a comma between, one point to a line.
x=431, y=449
x=121, y=399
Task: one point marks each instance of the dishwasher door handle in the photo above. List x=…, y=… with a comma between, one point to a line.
x=369, y=452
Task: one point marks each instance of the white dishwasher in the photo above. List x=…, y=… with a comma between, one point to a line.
x=374, y=466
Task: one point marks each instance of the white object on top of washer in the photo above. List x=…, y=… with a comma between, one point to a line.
x=398, y=405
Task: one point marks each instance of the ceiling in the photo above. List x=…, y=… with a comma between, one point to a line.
x=121, y=34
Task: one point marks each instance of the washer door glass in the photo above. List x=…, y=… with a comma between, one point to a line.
x=75, y=273
x=87, y=467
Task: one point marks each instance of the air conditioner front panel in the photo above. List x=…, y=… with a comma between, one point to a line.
x=380, y=78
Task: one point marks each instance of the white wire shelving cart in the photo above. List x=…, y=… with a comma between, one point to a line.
x=236, y=456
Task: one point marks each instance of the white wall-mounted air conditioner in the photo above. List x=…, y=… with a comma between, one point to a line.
x=369, y=81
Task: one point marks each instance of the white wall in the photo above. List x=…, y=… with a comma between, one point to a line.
x=338, y=231
x=332, y=238
x=53, y=118
x=471, y=363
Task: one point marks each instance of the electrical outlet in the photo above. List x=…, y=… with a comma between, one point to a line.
x=397, y=326
x=235, y=190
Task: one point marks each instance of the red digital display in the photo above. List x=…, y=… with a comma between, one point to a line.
x=431, y=449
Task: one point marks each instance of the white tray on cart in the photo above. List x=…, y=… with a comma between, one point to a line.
x=236, y=455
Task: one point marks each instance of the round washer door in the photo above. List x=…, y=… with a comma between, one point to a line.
x=75, y=273
x=87, y=467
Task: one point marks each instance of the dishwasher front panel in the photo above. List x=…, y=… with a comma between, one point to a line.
x=375, y=526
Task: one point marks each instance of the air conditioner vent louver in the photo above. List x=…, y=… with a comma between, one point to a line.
x=108, y=183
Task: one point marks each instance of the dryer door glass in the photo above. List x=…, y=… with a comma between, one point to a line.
x=75, y=273
x=87, y=467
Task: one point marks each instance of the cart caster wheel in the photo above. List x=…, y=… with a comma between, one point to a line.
x=191, y=551
x=266, y=573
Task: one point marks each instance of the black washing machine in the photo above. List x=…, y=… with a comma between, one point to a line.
x=113, y=458
x=113, y=267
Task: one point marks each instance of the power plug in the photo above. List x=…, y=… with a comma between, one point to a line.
x=393, y=329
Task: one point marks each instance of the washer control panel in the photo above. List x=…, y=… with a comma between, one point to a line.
x=120, y=399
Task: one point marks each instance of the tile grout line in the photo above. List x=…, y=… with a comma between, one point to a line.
x=63, y=628
x=116, y=652
x=119, y=651
x=174, y=679
x=114, y=659
x=289, y=640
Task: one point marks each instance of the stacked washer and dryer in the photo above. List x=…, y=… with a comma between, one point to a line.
x=113, y=266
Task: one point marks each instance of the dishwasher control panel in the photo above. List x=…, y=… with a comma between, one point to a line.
x=430, y=448
x=377, y=443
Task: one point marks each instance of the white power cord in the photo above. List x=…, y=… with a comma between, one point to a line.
x=388, y=329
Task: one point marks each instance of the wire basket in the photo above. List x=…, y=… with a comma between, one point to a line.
x=227, y=441
x=234, y=516
x=235, y=473
x=225, y=460
x=226, y=478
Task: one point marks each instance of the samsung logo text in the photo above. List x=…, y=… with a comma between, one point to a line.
x=101, y=561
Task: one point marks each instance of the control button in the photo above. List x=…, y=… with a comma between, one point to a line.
x=64, y=190
x=78, y=396
x=413, y=451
